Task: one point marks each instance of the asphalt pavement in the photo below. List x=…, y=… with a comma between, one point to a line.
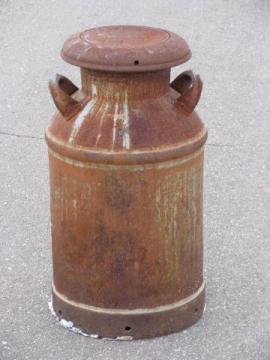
x=231, y=51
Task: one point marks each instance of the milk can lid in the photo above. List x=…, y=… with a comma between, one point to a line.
x=125, y=48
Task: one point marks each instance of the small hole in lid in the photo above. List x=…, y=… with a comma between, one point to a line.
x=127, y=328
x=136, y=62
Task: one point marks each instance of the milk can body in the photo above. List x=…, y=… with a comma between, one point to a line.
x=126, y=179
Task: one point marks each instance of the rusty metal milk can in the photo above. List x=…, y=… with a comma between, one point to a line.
x=126, y=177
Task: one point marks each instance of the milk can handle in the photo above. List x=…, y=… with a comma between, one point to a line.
x=189, y=87
x=61, y=90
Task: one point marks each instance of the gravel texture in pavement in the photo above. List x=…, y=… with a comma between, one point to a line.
x=231, y=51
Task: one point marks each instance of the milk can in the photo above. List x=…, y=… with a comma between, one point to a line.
x=126, y=179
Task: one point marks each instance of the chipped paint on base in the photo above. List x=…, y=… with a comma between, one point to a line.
x=124, y=338
x=69, y=325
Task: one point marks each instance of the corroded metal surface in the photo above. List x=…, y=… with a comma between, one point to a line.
x=126, y=48
x=126, y=176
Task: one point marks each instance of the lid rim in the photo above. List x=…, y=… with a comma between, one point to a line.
x=126, y=68
x=123, y=48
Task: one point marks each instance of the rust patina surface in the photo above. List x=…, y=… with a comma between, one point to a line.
x=126, y=177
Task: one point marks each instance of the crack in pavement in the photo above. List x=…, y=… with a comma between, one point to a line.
x=21, y=135
x=219, y=145
x=42, y=138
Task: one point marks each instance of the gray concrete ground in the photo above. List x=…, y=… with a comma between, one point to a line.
x=231, y=46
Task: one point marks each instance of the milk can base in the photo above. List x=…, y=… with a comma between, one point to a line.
x=130, y=324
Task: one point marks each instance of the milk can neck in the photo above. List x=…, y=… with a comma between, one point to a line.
x=136, y=86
